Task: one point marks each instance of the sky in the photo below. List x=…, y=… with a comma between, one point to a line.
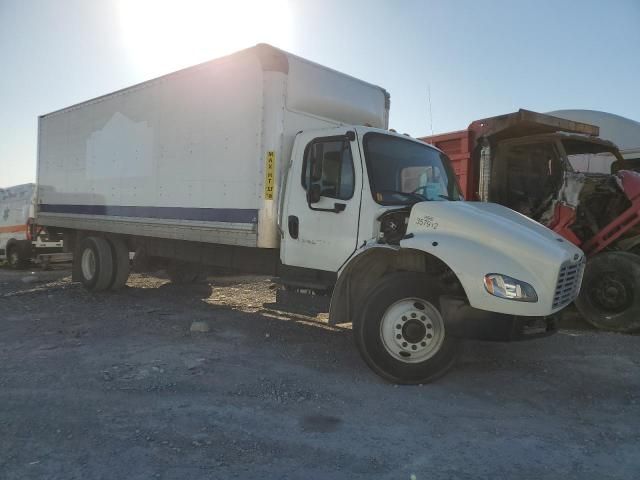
x=476, y=59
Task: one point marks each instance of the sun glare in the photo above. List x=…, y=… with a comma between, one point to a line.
x=166, y=35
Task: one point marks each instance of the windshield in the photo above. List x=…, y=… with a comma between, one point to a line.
x=588, y=157
x=403, y=171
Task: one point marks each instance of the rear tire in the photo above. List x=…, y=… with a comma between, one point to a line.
x=95, y=268
x=610, y=295
x=120, y=253
x=400, y=332
x=16, y=259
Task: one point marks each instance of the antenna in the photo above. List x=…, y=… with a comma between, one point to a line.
x=430, y=113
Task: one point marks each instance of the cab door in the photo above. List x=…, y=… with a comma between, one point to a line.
x=321, y=232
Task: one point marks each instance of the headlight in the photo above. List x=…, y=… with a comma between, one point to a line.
x=506, y=287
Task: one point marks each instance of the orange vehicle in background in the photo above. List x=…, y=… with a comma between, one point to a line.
x=539, y=165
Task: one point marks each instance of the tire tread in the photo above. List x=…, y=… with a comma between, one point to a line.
x=385, y=293
x=121, y=267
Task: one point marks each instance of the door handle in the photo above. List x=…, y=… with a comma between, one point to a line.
x=293, y=226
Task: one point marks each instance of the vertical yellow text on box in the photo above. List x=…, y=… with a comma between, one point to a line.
x=269, y=175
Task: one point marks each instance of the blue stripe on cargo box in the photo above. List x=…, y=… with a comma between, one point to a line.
x=226, y=215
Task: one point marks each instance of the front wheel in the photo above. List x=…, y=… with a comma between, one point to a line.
x=400, y=332
x=609, y=298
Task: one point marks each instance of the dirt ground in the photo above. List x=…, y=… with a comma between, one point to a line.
x=116, y=386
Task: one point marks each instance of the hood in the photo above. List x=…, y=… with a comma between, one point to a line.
x=495, y=225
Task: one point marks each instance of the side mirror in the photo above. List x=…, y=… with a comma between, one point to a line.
x=313, y=193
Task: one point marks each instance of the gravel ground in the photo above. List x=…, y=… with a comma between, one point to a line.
x=117, y=386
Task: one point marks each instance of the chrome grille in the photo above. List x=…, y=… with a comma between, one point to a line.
x=569, y=280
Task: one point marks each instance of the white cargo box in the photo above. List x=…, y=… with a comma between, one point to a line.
x=197, y=154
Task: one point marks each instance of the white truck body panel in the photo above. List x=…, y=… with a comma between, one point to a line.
x=184, y=156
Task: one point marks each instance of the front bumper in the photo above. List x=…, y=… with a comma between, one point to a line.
x=464, y=321
x=39, y=250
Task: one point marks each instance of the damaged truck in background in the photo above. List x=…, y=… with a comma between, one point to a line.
x=263, y=162
x=540, y=165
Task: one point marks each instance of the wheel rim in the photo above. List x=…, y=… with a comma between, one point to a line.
x=612, y=293
x=88, y=264
x=412, y=330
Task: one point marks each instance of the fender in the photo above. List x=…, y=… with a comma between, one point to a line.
x=471, y=260
x=475, y=239
x=365, y=258
x=472, y=240
x=370, y=263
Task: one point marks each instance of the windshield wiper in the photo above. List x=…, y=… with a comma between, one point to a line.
x=411, y=195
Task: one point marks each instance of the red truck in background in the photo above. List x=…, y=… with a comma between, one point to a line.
x=539, y=165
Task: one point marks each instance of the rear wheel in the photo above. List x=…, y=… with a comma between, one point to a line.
x=120, y=253
x=95, y=267
x=400, y=332
x=609, y=298
x=16, y=257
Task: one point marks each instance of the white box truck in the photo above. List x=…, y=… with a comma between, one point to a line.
x=265, y=162
x=21, y=240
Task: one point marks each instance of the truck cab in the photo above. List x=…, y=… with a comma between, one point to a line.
x=364, y=205
x=529, y=173
x=341, y=180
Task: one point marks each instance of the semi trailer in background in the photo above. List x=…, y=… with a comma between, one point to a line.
x=21, y=239
x=264, y=162
x=553, y=170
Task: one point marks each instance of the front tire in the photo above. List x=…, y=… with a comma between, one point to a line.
x=400, y=332
x=610, y=295
x=95, y=268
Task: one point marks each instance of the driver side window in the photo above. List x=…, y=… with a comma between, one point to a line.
x=332, y=160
